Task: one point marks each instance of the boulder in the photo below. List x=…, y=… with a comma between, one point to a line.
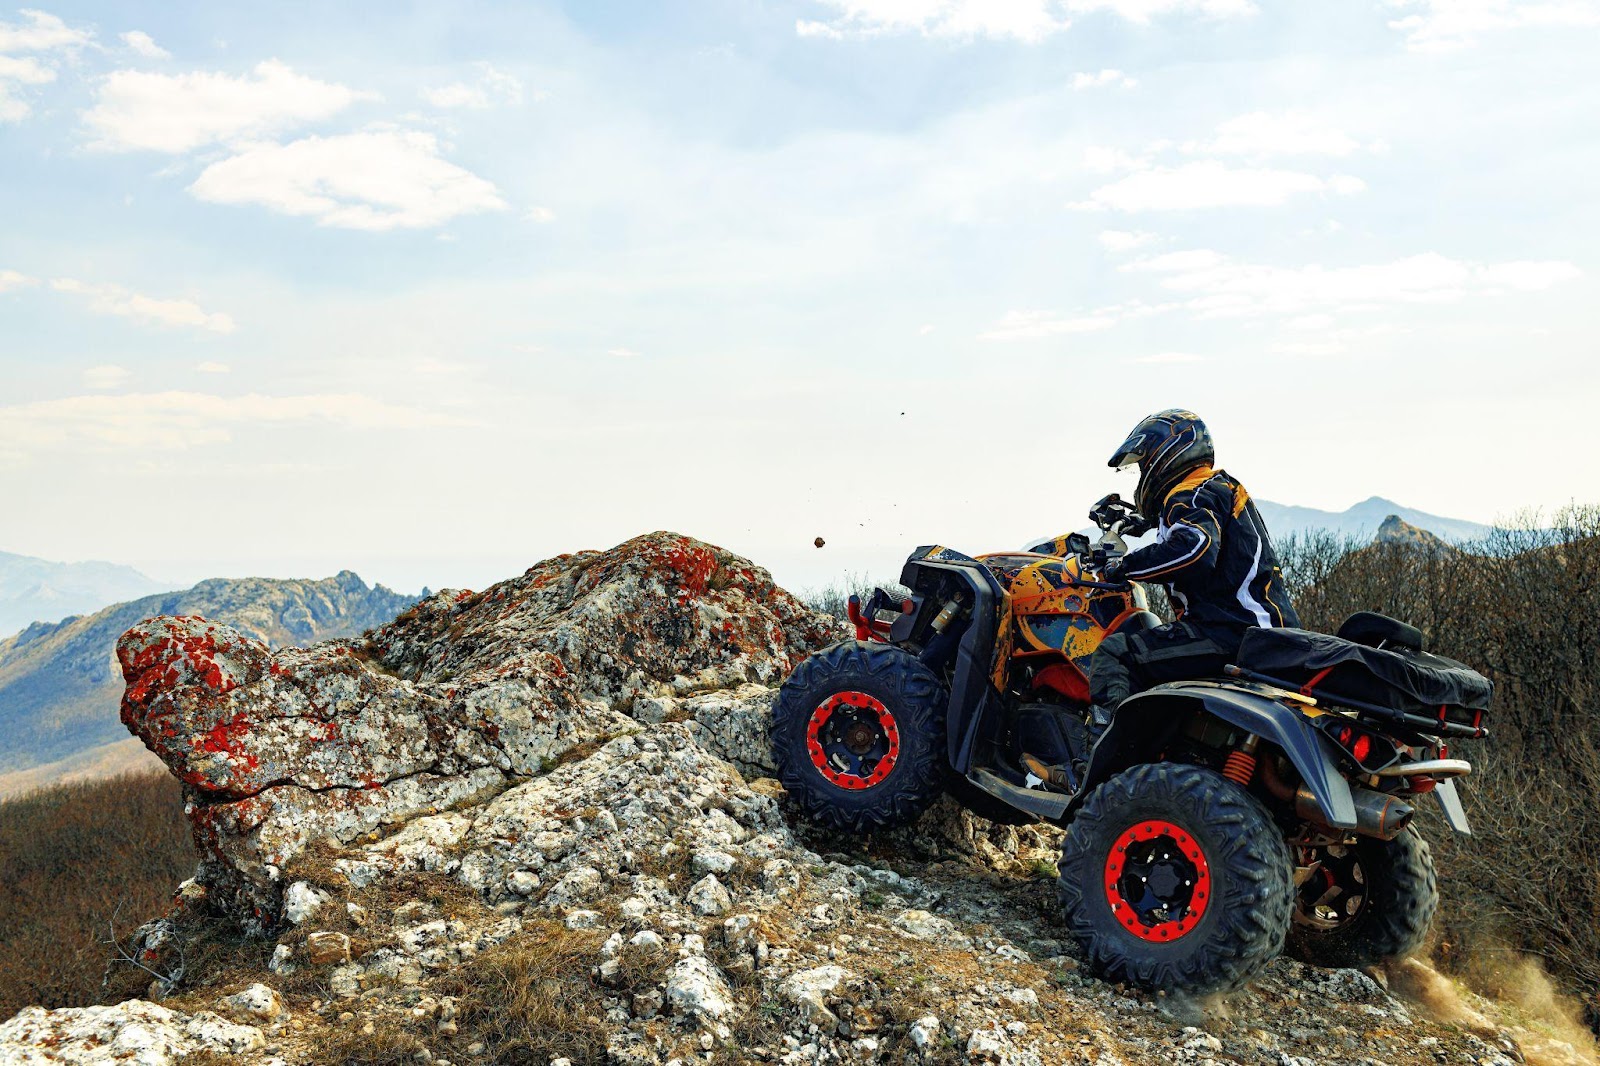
x=133, y=1033
x=459, y=697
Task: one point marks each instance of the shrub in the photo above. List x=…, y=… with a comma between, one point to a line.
x=1522, y=605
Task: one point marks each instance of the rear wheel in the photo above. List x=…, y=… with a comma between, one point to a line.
x=858, y=737
x=1365, y=902
x=1173, y=877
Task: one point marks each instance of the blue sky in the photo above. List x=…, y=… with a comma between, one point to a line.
x=434, y=291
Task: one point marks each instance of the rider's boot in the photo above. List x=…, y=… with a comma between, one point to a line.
x=1059, y=778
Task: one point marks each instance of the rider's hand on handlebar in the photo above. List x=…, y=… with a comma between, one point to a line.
x=1110, y=510
x=1107, y=509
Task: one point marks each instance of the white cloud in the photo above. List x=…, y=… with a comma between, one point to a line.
x=38, y=33
x=141, y=43
x=1169, y=357
x=180, y=112
x=1530, y=275
x=107, y=299
x=1209, y=183
x=1309, y=348
x=176, y=420
x=541, y=215
x=1023, y=20
x=1086, y=80
x=1263, y=133
x=491, y=87
x=209, y=367
x=105, y=377
x=1118, y=240
x=1028, y=325
x=1216, y=286
x=375, y=180
x=10, y=279
x=25, y=70
x=1444, y=25
x=1143, y=11
x=622, y=353
x=1102, y=160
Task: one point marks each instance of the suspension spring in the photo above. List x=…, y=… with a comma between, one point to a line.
x=1240, y=767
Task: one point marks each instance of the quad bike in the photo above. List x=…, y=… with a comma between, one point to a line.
x=1213, y=823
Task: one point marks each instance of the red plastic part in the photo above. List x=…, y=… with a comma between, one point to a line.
x=1065, y=679
x=819, y=757
x=869, y=628
x=1162, y=932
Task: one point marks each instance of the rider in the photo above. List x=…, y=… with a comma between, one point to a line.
x=1212, y=553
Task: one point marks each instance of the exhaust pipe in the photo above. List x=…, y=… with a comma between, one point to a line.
x=1377, y=815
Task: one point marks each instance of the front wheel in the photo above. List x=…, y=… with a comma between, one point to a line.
x=858, y=737
x=1365, y=902
x=1174, y=878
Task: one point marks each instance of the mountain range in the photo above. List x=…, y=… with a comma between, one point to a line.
x=1363, y=520
x=34, y=589
x=60, y=684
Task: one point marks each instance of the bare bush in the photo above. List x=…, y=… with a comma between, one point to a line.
x=1522, y=605
x=833, y=598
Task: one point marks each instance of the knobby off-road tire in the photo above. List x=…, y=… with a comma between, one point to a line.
x=1401, y=897
x=867, y=681
x=1218, y=836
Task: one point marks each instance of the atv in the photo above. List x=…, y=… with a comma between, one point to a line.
x=1215, y=822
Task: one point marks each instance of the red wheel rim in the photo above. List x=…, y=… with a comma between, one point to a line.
x=853, y=740
x=1157, y=881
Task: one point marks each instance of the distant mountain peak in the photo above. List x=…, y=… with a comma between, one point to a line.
x=39, y=590
x=1363, y=521
x=1395, y=530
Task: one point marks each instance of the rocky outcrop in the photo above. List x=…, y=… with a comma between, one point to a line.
x=1395, y=530
x=528, y=825
x=134, y=1033
x=461, y=695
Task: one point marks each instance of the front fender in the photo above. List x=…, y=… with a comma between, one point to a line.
x=1144, y=723
x=974, y=704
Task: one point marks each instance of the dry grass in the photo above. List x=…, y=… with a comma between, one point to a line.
x=532, y=998
x=389, y=1044
x=73, y=862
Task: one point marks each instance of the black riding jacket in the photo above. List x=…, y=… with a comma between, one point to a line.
x=1213, y=554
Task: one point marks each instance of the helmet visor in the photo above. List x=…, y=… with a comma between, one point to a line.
x=1132, y=451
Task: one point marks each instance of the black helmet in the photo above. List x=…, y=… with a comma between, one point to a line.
x=1166, y=446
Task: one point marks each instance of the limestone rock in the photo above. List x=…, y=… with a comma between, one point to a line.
x=327, y=949
x=458, y=697
x=695, y=987
x=257, y=1002
x=133, y=1033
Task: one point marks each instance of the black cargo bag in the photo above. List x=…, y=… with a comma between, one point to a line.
x=1328, y=667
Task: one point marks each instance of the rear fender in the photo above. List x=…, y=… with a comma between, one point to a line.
x=974, y=705
x=1144, y=723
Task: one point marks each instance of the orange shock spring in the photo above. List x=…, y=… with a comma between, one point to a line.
x=1240, y=767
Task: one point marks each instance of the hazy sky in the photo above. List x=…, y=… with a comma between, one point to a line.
x=433, y=291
